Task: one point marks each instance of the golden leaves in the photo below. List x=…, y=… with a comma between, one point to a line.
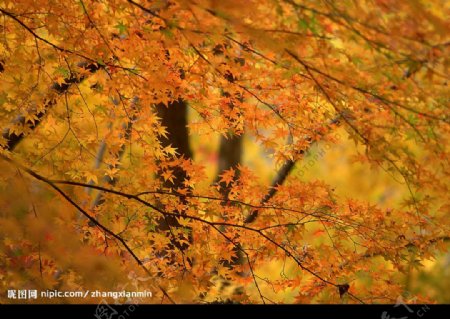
x=382, y=72
x=90, y=177
x=169, y=150
x=168, y=175
x=228, y=176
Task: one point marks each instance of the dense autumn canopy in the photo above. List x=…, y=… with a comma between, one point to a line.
x=128, y=126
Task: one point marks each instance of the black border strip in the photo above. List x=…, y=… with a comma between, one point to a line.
x=132, y=311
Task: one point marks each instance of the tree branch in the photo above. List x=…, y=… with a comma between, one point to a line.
x=56, y=90
x=86, y=214
x=285, y=170
x=127, y=128
x=212, y=224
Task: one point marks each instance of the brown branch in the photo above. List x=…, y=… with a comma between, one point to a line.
x=56, y=90
x=406, y=246
x=227, y=77
x=214, y=226
x=127, y=128
x=86, y=214
x=284, y=172
x=309, y=68
x=12, y=16
x=141, y=7
x=62, y=49
x=260, y=232
x=259, y=207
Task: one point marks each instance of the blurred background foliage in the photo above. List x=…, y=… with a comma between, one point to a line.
x=333, y=163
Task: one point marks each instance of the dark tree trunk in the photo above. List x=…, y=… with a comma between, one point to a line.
x=174, y=118
x=230, y=154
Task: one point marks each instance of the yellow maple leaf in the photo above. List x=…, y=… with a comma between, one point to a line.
x=227, y=177
x=60, y=80
x=91, y=177
x=170, y=150
x=167, y=175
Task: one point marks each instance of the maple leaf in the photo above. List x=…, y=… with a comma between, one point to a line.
x=111, y=172
x=168, y=175
x=91, y=177
x=60, y=80
x=169, y=150
x=227, y=177
x=161, y=130
x=121, y=27
x=338, y=110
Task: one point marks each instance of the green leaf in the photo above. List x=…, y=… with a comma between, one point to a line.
x=356, y=61
x=413, y=119
x=63, y=71
x=303, y=25
x=121, y=27
x=167, y=33
x=290, y=228
x=101, y=108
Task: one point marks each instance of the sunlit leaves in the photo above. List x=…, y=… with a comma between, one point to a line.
x=300, y=80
